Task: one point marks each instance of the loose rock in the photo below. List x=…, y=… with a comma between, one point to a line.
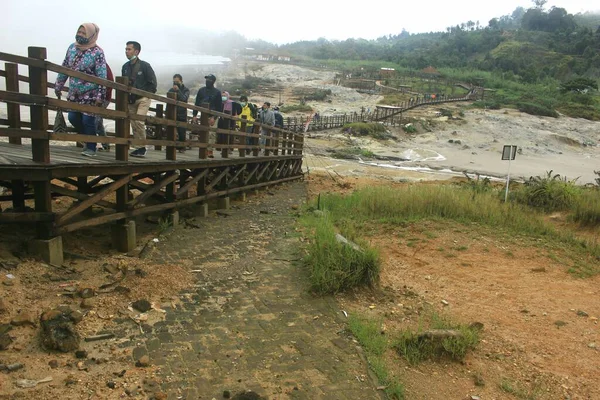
x=143, y=362
x=3, y=306
x=81, y=354
x=87, y=303
x=22, y=319
x=86, y=293
x=58, y=331
x=142, y=305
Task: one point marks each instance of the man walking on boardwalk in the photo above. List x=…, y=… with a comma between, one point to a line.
x=183, y=94
x=141, y=76
x=211, y=95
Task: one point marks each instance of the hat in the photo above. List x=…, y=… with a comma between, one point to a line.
x=211, y=77
x=276, y=108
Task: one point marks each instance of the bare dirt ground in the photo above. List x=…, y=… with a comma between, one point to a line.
x=541, y=334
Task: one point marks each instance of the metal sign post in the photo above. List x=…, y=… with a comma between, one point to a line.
x=509, y=152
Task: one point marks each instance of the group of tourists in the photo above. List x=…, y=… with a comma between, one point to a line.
x=86, y=56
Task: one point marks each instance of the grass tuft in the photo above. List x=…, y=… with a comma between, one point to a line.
x=415, y=348
x=368, y=333
x=334, y=266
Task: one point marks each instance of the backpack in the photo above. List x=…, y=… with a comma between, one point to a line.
x=253, y=110
x=109, y=77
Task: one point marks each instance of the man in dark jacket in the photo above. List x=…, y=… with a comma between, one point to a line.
x=211, y=95
x=183, y=94
x=278, y=117
x=141, y=76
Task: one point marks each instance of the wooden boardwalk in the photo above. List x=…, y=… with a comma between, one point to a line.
x=49, y=164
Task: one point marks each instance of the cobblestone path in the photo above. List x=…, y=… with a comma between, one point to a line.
x=250, y=323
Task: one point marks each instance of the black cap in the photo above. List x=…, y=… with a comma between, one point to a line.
x=211, y=77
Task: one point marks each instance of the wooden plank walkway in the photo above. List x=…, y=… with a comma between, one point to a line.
x=20, y=155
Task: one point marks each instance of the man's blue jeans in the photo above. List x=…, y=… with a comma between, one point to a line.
x=84, y=124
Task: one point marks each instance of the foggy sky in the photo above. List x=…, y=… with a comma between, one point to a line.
x=178, y=25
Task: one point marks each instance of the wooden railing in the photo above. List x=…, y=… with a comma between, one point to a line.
x=277, y=141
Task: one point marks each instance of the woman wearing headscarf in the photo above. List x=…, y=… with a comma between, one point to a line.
x=232, y=108
x=87, y=57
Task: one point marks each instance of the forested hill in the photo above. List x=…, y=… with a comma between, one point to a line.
x=532, y=44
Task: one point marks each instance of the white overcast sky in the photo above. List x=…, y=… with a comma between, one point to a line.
x=53, y=23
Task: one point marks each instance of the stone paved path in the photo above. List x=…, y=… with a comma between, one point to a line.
x=250, y=323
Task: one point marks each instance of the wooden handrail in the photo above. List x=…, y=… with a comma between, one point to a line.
x=40, y=101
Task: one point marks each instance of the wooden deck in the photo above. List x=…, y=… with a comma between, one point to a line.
x=65, y=161
x=38, y=164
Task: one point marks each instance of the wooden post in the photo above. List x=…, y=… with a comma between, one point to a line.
x=171, y=155
x=268, y=134
x=243, y=125
x=275, y=141
x=123, y=232
x=122, y=125
x=38, y=84
x=14, y=110
x=18, y=195
x=171, y=115
x=255, y=141
x=204, y=135
x=159, y=114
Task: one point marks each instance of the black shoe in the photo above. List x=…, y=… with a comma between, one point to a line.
x=141, y=152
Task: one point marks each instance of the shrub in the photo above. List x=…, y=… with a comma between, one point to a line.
x=446, y=113
x=489, y=105
x=536, y=109
x=377, y=131
x=409, y=128
x=296, y=107
x=352, y=153
x=580, y=111
x=416, y=347
x=586, y=208
x=334, y=266
x=549, y=193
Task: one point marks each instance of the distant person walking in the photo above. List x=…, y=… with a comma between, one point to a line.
x=183, y=94
x=232, y=108
x=141, y=76
x=278, y=117
x=211, y=95
x=266, y=117
x=250, y=113
x=87, y=57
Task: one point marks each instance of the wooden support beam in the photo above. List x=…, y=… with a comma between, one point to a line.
x=188, y=185
x=281, y=168
x=20, y=217
x=91, y=200
x=161, y=207
x=251, y=174
x=80, y=196
x=270, y=174
x=217, y=179
x=261, y=173
x=170, y=178
x=234, y=177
